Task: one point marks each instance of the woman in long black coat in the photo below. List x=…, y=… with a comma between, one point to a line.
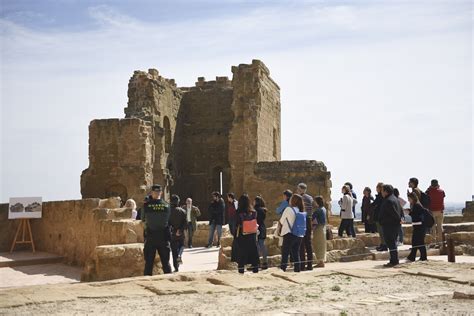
x=247, y=241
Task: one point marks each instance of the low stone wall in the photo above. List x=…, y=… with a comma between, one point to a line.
x=201, y=235
x=117, y=261
x=74, y=228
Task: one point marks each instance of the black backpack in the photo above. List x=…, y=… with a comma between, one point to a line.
x=425, y=200
x=427, y=218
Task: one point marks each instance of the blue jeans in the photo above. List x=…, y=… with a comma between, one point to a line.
x=262, y=249
x=400, y=235
x=212, y=229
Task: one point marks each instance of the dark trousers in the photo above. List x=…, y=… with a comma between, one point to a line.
x=347, y=225
x=247, y=252
x=418, y=243
x=370, y=228
x=190, y=234
x=390, y=234
x=290, y=247
x=176, y=246
x=306, y=248
x=156, y=241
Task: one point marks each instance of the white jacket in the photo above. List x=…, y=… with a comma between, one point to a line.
x=347, y=202
x=288, y=216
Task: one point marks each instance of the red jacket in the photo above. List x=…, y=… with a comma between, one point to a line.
x=436, y=198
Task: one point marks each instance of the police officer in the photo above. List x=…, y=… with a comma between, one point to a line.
x=178, y=223
x=156, y=213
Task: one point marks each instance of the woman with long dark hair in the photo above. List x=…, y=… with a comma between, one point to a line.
x=261, y=210
x=419, y=230
x=247, y=229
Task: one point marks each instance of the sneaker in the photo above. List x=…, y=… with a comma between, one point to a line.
x=180, y=260
x=218, y=245
x=190, y=246
x=309, y=268
x=320, y=265
x=209, y=246
x=390, y=265
x=264, y=266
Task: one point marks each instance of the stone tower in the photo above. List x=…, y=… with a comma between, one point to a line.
x=218, y=135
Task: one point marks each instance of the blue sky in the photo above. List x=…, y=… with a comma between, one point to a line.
x=381, y=89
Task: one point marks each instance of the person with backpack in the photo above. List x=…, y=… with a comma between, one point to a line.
x=178, y=224
x=347, y=216
x=259, y=205
x=417, y=212
x=306, y=248
x=437, y=196
x=354, y=202
x=390, y=216
x=422, y=196
x=293, y=229
x=247, y=229
x=319, y=227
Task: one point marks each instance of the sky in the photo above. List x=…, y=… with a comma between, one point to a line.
x=377, y=90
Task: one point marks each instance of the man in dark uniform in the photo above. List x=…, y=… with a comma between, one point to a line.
x=178, y=223
x=156, y=213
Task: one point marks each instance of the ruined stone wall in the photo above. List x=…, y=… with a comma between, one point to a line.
x=72, y=229
x=270, y=179
x=156, y=99
x=255, y=135
x=121, y=153
x=201, y=146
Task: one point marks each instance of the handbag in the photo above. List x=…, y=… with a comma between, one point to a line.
x=249, y=226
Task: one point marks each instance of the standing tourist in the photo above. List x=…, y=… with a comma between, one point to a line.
x=192, y=213
x=261, y=210
x=178, y=224
x=368, y=211
x=319, y=228
x=232, y=205
x=131, y=205
x=402, y=204
x=422, y=196
x=216, y=218
x=247, y=229
x=285, y=202
x=419, y=231
x=156, y=215
x=293, y=229
x=347, y=216
x=389, y=218
x=376, y=206
x=437, y=195
x=306, y=248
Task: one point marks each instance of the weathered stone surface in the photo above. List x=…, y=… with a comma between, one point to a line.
x=466, y=238
x=188, y=139
x=110, y=262
x=73, y=229
x=201, y=235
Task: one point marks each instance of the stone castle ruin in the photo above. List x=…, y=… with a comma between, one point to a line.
x=222, y=135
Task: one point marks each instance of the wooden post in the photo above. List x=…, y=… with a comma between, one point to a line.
x=451, y=252
x=25, y=228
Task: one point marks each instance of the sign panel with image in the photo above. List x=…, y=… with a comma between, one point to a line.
x=25, y=207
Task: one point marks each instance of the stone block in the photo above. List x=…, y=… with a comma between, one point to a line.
x=110, y=262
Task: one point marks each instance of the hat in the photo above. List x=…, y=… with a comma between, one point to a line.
x=156, y=187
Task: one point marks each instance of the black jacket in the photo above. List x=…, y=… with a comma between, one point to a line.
x=262, y=229
x=178, y=222
x=216, y=212
x=376, y=206
x=416, y=213
x=390, y=211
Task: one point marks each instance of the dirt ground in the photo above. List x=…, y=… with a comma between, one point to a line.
x=356, y=288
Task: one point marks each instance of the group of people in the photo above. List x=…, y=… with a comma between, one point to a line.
x=300, y=216
x=302, y=223
x=386, y=212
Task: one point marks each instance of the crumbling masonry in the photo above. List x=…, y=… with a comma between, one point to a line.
x=188, y=139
